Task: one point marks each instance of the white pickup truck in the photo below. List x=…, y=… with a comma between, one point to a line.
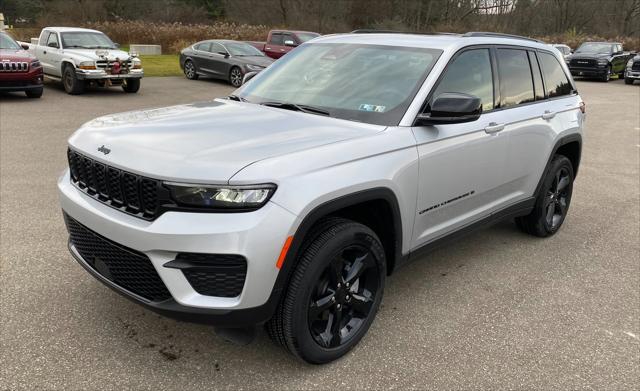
x=78, y=56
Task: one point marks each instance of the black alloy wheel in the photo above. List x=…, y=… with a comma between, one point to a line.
x=557, y=200
x=343, y=297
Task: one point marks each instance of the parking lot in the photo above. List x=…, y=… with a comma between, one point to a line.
x=498, y=309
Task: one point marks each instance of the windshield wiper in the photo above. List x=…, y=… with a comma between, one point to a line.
x=237, y=98
x=297, y=107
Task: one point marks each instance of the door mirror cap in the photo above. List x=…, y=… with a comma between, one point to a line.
x=24, y=46
x=248, y=76
x=289, y=42
x=452, y=108
x=225, y=54
x=53, y=45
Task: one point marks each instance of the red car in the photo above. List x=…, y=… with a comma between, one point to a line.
x=19, y=70
x=280, y=42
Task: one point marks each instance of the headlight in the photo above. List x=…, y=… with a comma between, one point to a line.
x=137, y=64
x=35, y=64
x=87, y=65
x=254, y=67
x=630, y=63
x=221, y=197
x=603, y=61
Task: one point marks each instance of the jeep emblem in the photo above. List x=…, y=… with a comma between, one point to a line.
x=104, y=150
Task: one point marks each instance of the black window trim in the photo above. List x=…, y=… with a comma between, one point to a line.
x=496, y=79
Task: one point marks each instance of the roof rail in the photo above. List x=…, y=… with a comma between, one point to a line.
x=373, y=31
x=498, y=35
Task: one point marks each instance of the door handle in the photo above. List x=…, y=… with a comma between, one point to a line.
x=548, y=114
x=493, y=128
x=267, y=48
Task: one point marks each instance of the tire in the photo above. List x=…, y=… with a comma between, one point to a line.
x=324, y=277
x=552, y=202
x=34, y=94
x=607, y=76
x=71, y=84
x=190, y=70
x=235, y=77
x=628, y=81
x=131, y=86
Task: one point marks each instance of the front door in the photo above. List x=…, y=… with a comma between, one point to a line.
x=462, y=166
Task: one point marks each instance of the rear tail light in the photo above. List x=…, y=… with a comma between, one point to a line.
x=583, y=107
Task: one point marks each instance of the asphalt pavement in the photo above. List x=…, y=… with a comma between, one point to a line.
x=498, y=309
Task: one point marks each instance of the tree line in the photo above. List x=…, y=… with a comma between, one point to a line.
x=606, y=18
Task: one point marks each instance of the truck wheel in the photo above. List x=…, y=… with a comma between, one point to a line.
x=34, y=94
x=628, y=80
x=607, y=76
x=235, y=77
x=190, y=70
x=131, y=85
x=70, y=81
x=552, y=203
x=334, y=292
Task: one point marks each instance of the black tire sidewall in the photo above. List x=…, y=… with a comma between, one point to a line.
x=557, y=163
x=34, y=94
x=132, y=86
x=306, y=346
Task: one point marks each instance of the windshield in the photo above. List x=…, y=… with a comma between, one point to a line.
x=242, y=49
x=368, y=83
x=6, y=42
x=86, y=40
x=304, y=37
x=604, y=48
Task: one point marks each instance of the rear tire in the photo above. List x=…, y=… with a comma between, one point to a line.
x=34, y=94
x=190, y=70
x=552, y=203
x=131, y=86
x=340, y=276
x=70, y=81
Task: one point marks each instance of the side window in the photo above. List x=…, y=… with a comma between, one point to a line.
x=516, y=84
x=53, y=39
x=43, y=38
x=555, y=80
x=287, y=37
x=470, y=73
x=277, y=39
x=203, y=47
x=217, y=48
x=538, y=89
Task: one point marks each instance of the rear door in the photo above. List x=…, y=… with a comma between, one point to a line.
x=461, y=165
x=200, y=57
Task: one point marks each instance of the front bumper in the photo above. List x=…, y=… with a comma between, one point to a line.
x=258, y=236
x=588, y=72
x=32, y=80
x=630, y=74
x=100, y=74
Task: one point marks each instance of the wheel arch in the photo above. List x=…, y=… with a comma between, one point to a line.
x=569, y=146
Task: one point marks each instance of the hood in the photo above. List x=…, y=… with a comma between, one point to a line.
x=97, y=54
x=262, y=61
x=590, y=56
x=15, y=55
x=207, y=142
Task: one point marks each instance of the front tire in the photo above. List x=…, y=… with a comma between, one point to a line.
x=131, y=86
x=607, y=76
x=34, y=94
x=70, y=81
x=628, y=80
x=235, y=77
x=334, y=292
x=552, y=203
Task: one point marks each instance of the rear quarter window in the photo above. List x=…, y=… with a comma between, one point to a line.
x=556, y=81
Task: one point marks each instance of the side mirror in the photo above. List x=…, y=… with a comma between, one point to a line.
x=53, y=45
x=289, y=42
x=24, y=46
x=117, y=45
x=452, y=108
x=225, y=54
x=248, y=76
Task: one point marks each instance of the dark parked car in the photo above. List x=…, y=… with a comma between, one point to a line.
x=227, y=60
x=19, y=70
x=599, y=60
x=632, y=72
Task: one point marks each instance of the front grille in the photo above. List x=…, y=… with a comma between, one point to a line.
x=636, y=66
x=220, y=275
x=130, y=193
x=107, y=65
x=11, y=66
x=584, y=63
x=123, y=266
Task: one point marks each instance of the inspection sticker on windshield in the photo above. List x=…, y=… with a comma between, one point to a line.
x=374, y=108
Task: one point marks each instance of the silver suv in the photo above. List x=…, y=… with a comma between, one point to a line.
x=290, y=202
